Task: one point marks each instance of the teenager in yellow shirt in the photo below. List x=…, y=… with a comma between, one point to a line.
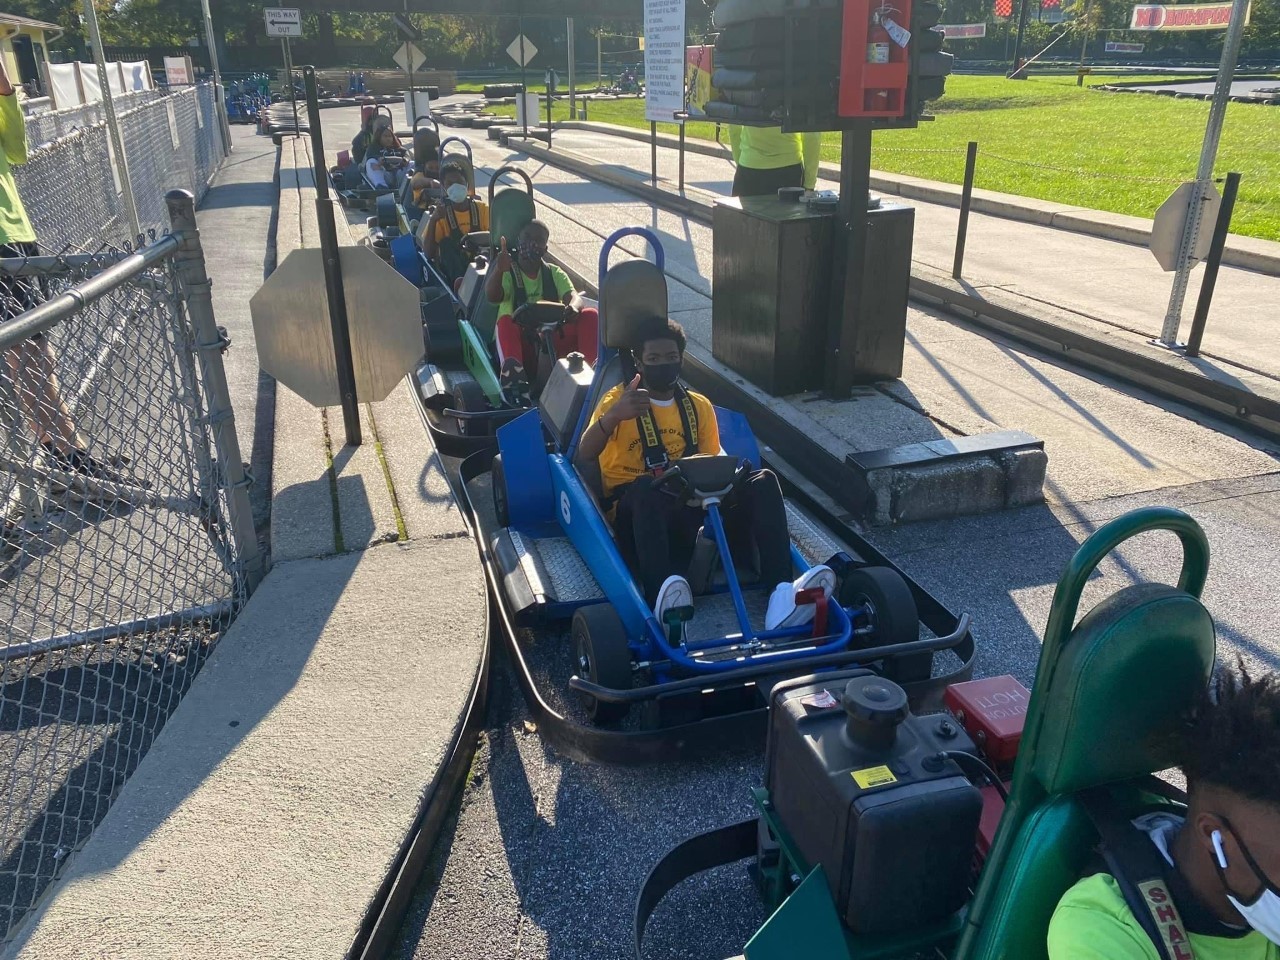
x=457, y=215
x=656, y=531
x=1223, y=857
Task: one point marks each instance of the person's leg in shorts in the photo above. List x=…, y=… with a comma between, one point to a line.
x=32, y=369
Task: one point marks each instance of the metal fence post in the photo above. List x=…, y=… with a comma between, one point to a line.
x=113, y=124
x=966, y=200
x=1212, y=262
x=209, y=344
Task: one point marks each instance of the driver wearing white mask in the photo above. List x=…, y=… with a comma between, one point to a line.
x=1222, y=858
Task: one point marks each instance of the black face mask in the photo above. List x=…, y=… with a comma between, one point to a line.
x=531, y=251
x=660, y=376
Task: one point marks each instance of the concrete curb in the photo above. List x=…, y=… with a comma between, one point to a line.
x=1249, y=253
x=1198, y=384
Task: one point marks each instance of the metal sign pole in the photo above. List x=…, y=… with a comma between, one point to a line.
x=333, y=286
x=1204, y=174
x=524, y=90
x=113, y=124
x=849, y=260
x=1017, y=44
x=219, y=103
x=568, y=28
x=288, y=72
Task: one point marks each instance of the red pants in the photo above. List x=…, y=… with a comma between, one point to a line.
x=581, y=334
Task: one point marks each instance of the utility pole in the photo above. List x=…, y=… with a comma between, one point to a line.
x=219, y=101
x=113, y=123
x=568, y=31
x=1204, y=173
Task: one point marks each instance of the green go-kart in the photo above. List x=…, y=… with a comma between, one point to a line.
x=464, y=400
x=879, y=861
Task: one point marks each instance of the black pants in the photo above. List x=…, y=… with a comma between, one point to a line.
x=656, y=531
x=759, y=183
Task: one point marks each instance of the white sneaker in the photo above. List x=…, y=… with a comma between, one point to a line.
x=674, y=592
x=784, y=611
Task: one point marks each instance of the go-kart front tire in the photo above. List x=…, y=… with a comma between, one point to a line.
x=469, y=397
x=892, y=611
x=603, y=657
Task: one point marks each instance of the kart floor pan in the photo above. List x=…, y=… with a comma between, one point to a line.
x=555, y=570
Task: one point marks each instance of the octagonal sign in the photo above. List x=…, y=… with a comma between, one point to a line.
x=295, y=342
x=1171, y=220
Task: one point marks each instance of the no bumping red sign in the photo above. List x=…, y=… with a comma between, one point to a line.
x=1183, y=16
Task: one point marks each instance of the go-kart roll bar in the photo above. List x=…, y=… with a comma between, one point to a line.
x=508, y=168
x=430, y=119
x=770, y=666
x=466, y=147
x=659, y=258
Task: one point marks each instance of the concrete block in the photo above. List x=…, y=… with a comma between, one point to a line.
x=879, y=511
x=1024, y=472
x=951, y=489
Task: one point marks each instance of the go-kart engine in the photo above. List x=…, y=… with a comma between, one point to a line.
x=858, y=783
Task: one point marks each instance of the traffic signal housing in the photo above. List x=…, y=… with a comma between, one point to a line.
x=820, y=67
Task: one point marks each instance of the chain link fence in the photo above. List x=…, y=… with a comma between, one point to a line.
x=71, y=182
x=126, y=544
x=50, y=125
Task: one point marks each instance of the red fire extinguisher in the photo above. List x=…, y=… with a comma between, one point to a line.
x=878, y=39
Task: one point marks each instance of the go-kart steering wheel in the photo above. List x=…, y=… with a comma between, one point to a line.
x=668, y=479
x=540, y=314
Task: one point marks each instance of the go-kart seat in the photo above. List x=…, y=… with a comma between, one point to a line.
x=633, y=299
x=1106, y=697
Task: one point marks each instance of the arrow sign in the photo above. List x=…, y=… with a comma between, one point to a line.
x=406, y=27
x=283, y=21
x=530, y=51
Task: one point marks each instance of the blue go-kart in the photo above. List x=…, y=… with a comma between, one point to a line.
x=556, y=558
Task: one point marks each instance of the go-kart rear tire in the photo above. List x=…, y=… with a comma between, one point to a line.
x=386, y=211
x=498, y=477
x=603, y=657
x=469, y=397
x=894, y=615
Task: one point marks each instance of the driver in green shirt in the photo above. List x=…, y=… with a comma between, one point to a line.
x=1223, y=857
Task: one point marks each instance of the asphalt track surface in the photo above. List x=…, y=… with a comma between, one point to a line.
x=544, y=857
x=1239, y=88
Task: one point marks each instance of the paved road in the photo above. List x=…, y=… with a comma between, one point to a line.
x=1239, y=88
x=544, y=857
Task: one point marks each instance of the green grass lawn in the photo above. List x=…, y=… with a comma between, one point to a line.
x=1047, y=138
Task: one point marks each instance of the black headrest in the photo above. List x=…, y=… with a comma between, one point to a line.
x=633, y=303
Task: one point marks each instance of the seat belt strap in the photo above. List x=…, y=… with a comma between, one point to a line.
x=1139, y=870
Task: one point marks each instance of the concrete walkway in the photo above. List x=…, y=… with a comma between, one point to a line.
x=235, y=222
x=277, y=800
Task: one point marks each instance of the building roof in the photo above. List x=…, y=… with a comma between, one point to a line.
x=27, y=22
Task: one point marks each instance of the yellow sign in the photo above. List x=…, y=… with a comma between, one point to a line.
x=873, y=777
x=697, y=77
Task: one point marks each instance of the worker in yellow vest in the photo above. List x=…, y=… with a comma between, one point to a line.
x=768, y=159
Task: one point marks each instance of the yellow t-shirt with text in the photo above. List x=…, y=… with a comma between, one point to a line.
x=463, y=216
x=622, y=459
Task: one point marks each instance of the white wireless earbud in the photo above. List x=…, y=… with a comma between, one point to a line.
x=1217, y=847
